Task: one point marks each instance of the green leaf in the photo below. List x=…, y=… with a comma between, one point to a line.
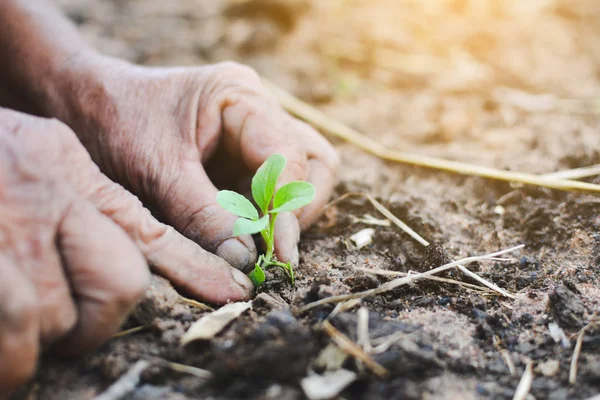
x=245, y=226
x=257, y=276
x=292, y=196
x=237, y=204
x=265, y=179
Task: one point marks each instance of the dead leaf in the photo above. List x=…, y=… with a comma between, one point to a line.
x=328, y=385
x=209, y=325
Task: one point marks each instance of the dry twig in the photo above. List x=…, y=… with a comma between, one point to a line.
x=196, y=304
x=336, y=128
x=386, y=287
x=350, y=348
x=577, y=352
x=525, y=383
x=184, y=369
x=576, y=173
x=387, y=342
x=489, y=284
x=130, y=331
x=387, y=213
x=505, y=356
x=385, y=272
x=344, y=306
x=126, y=383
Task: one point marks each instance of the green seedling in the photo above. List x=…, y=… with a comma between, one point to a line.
x=289, y=197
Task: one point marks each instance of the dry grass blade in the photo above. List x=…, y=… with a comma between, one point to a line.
x=184, y=369
x=131, y=331
x=389, y=341
x=576, y=173
x=126, y=383
x=370, y=220
x=525, y=383
x=489, y=284
x=505, y=356
x=195, y=303
x=577, y=352
x=384, y=272
x=387, y=213
x=345, y=306
x=509, y=364
x=386, y=287
x=349, y=347
x=336, y=128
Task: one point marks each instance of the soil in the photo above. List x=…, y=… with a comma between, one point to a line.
x=510, y=84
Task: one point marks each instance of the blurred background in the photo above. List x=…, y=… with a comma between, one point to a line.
x=511, y=84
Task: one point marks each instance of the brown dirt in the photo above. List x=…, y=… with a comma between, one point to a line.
x=425, y=76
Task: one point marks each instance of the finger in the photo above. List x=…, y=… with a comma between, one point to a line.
x=323, y=163
x=192, y=208
x=19, y=327
x=199, y=273
x=58, y=311
x=287, y=236
x=258, y=131
x=266, y=131
x=323, y=178
x=107, y=272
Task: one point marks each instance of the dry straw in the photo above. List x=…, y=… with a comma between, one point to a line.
x=386, y=287
x=336, y=128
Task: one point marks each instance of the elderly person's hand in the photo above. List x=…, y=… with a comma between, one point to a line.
x=169, y=135
x=69, y=274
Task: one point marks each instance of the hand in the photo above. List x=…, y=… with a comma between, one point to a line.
x=171, y=135
x=68, y=273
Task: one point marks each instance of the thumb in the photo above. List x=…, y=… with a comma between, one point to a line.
x=191, y=207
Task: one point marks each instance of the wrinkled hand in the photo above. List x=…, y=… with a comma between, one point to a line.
x=68, y=273
x=172, y=135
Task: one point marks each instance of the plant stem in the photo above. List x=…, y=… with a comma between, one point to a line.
x=269, y=237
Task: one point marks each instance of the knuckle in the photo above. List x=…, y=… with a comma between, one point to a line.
x=297, y=164
x=63, y=133
x=333, y=161
x=128, y=212
x=235, y=69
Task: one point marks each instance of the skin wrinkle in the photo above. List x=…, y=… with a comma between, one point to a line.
x=113, y=201
x=204, y=217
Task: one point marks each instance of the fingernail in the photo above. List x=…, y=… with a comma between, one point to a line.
x=235, y=253
x=241, y=279
x=295, y=258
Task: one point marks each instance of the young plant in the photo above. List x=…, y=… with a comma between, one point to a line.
x=289, y=197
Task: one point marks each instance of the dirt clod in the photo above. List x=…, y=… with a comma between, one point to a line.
x=567, y=307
